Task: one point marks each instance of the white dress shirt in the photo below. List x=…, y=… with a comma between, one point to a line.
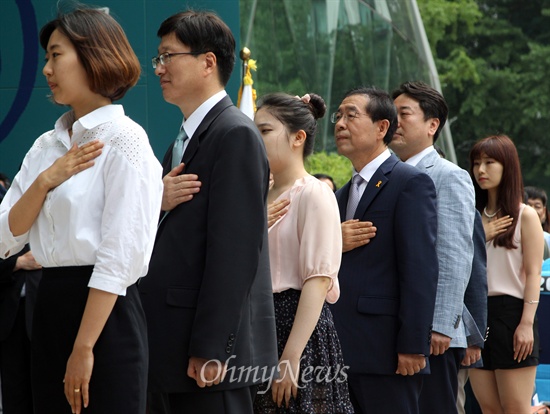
x=104, y=216
x=368, y=170
x=190, y=125
x=415, y=159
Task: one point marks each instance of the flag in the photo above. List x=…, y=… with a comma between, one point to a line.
x=247, y=94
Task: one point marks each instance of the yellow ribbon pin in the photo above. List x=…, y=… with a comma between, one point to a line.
x=378, y=184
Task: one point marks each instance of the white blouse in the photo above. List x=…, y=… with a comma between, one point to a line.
x=105, y=216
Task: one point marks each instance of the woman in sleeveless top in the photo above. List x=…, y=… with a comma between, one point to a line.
x=515, y=244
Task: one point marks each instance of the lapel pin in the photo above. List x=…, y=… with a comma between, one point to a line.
x=378, y=184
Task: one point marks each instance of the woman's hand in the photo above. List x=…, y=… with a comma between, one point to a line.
x=287, y=384
x=77, y=159
x=77, y=378
x=523, y=341
x=496, y=227
x=276, y=210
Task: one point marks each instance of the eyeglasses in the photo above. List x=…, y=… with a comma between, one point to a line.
x=166, y=58
x=349, y=116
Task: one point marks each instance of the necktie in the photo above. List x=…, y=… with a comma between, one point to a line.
x=354, y=196
x=177, y=150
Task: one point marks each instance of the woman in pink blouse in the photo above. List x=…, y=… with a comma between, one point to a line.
x=305, y=247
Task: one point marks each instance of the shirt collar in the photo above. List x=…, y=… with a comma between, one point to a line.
x=368, y=170
x=190, y=125
x=89, y=121
x=415, y=159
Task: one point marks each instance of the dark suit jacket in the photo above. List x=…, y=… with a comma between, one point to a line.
x=388, y=286
x=475, y=297
x=11, y=284
x=208, y=292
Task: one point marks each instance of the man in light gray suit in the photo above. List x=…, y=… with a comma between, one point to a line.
x=422, y=112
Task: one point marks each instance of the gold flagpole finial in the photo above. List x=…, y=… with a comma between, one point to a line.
x=245, y=54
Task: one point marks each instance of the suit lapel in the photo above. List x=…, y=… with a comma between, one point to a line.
x=427, y=162
x=342, y=198
x=200, y=133
x=375, y=185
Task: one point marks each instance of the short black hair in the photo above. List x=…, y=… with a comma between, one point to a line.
x=204, y=32
x=379, y=107
x=429, y=99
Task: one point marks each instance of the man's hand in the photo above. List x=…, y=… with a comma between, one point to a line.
x=276, y=210
x=206, y=372
x=410, y=364
x=473, y=354
x=356, y=233
x=495, y=227
x=439, y=344
x=178, y=188
x=26, y=262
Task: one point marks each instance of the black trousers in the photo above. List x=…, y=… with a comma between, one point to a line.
x=237, y=401
x=119, y=376
x=15, y=367
x=381, y=394
x=440, y=388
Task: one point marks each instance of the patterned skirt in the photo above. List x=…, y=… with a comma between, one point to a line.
x=322, y=382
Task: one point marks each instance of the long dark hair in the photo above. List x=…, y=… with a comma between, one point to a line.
x=510, y=190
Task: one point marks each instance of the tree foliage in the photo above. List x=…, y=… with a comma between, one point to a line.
x=493, y=58
x=339, y=168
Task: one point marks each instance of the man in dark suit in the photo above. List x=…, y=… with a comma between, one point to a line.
x=208, y=295
x=475, y=314
x=388, y=286
x=19, y=278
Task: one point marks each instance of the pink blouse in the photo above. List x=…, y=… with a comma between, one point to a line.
x=307, y=241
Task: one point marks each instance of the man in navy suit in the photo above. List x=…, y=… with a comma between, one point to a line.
x=208, y=294
x=388, y=286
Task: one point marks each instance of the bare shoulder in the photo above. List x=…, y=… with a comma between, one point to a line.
x=530, y=221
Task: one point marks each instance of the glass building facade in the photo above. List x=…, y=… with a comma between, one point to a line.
x=331, y=46
x=322, y=46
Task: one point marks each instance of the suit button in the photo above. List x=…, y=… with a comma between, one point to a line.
x=231, y=336
x=230, y=343
x=228, y=350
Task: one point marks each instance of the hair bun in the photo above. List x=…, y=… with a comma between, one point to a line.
x=317, y=105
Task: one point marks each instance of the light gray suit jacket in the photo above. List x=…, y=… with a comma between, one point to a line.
x=455, y=250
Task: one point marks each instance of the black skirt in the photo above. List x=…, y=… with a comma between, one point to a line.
x=119, y=376
x=503, y=317
x=323, y=386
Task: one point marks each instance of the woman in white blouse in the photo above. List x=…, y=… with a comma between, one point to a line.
x=87, y=199
x=305, y=249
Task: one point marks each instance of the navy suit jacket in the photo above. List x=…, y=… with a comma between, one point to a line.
x=475, y=297
x=208, y=292
x=388, y=286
